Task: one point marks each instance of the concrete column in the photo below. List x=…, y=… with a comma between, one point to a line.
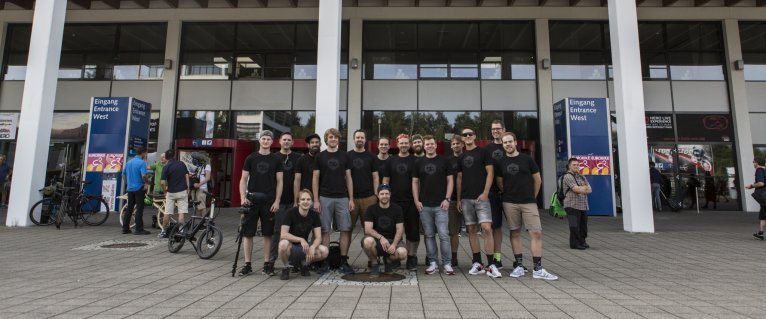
x=167, y=107
x=631, y=129
x=328, y=65
x=36, y=117
x=354, y=80
x=545, y=110
x=740, y=111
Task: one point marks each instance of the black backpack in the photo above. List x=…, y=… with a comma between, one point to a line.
x=334, y=259
x=560, y=195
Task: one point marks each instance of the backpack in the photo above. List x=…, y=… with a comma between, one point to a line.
x=334, y=259
x=560, y=194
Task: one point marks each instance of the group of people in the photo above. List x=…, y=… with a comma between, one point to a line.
x=300, y=200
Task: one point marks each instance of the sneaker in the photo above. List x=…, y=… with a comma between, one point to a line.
x=126, y=231
x=585, y=245
x=414, y=265
x=346, y=269
x=396, y=264
x=454, y=262
x=374, y=270
x=493, y=272
x=448, y=270
x=285, y=273
x=543, y=274
x=387, y=266
x=268, y=269
x=476, y=269
x=758, y=235
x=305, y=271
x=432, y=268
x=518, y=272
x=499, y=264
x=163, y=234
x=246, y=270
x=323, y=269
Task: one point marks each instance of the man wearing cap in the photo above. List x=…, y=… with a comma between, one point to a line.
x=383, y=230
x=304, y=170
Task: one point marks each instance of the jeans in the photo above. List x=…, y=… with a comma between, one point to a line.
x=656, y=201
x=434, y=220
x=135, y=199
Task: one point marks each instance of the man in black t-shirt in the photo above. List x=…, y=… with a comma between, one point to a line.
x=262, y=176
x=495, y=151
x=383, y=229
x=475, y=176
x=399, y=177
x=455, y=217
x=365, y=176
x=432, y=188
x=289, y=160
x=175, y=184
x=382, y=158
x=304, y=168
x=518, y=177
x=334, y=189
x=298, y=224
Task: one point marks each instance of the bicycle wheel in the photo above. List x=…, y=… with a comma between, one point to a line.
x=209, y=243
x=132, y=217
x=175, y=240
x=94, y=211
x=43, y=213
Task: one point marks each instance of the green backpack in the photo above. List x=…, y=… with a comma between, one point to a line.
x=557, y=210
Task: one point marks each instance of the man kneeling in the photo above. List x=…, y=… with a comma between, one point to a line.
x=383, y=228
x=294, y=249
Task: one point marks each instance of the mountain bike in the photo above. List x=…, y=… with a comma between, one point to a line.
x=67, y=201
x=209, y=242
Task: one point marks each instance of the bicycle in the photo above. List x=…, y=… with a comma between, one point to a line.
x=208, y=244
x=158, y=201
x=62, y=201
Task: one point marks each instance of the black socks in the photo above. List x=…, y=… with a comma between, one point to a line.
x=538, y=261
x=517, y=260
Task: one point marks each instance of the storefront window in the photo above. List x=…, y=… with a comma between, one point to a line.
x=579, y=50
x=753, y=38
x=202, y=124
x=247, y=124
x=443, y=125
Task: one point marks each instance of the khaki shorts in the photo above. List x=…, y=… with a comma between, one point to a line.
x=202, y=198
x=515, y=214
x=180, y=199
x=360, y=208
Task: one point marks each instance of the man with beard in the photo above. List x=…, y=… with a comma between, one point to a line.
x=289, y=160
x=380, y=160
x=383, y=230
x=518, y=176
x=495, y=151
x=334, y=189
x=262, y=176
x=475, y=176
x=432, y=189
x=456, y=144
x=304, y=170
x=417, y=145
x=365, y=176
x=399, y=177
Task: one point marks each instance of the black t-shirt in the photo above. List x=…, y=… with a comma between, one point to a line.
x=263, y=173
x=495, y=152
x=362, y=167
x=453, y=160
x=332, y=173
x=301, y=226
x=399, y=171
x=305, y=166
x=518, y=185
x=381, y=165
x=384, y=220
x=289, y=165
x=432, y=176
x=175, y=173
x=473, y=166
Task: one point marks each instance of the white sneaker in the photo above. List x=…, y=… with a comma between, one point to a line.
x=517, y=272
x=432, y=268
x=493, y=272
x=543, y=274
x=476, y=269
x=448, y=270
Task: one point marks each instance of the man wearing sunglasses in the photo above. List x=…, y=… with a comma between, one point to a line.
x=474, y=180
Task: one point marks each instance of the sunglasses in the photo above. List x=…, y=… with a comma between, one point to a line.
x=467, y=134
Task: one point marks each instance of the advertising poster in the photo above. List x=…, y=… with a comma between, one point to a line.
x=113, y=163
x=692, y=159
x=109, y=191
x=8, y=124
x=562, y=137
x=95, y=162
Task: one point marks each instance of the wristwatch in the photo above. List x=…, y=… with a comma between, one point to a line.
x=447, y=199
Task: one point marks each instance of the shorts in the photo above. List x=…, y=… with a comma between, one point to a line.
x=199, y=195
x=379, y=247
x=411, y=221
x=179, y=199
x=454, y=219
x=476, y=212
x=296, y=253
x=496, y=204
x=334, y=209
x=526, y=213
x=259, y=211
x=360, y=208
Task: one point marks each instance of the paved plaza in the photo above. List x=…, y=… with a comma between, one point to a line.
x=694, y=266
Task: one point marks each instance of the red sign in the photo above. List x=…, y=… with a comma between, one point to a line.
x=594, y=165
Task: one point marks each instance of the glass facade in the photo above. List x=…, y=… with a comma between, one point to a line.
x=682, y=51
x=753, y=38
x=95, y=51
x=247, y=124
x=579, y=50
